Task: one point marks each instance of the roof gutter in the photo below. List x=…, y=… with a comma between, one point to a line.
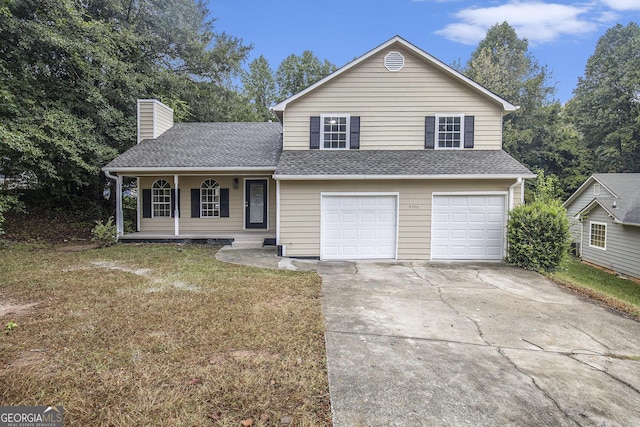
x=394, y=177
x=189, y=170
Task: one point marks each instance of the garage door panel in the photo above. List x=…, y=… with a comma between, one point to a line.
x=366, y=224
x=468, y=226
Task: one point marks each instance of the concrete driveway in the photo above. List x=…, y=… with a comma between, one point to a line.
x=473, y=344
x=426, y=344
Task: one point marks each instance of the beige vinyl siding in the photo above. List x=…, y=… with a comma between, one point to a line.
x=188, y=225
x=154, y=118
x=392, y=105
x=622, y=253
x=300, y=210
x=145, y=119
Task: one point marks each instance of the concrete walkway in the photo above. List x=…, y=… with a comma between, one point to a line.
x=419, y=343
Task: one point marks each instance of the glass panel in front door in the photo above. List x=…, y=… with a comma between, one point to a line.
x=256, y=203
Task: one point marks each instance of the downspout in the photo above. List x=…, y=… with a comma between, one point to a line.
x=119, y=213
x=511, y=187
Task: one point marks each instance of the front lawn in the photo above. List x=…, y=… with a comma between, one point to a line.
x=615, y=291
x=149, y=335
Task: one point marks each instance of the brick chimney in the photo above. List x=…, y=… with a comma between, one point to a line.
x=154, y=119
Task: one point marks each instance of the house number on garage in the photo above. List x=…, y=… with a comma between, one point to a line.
x=414, y=206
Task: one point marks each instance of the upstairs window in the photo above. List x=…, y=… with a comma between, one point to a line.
x=598, y=235
x=161, y=198
x=450, y=131
x=210, y=199
x=334, y=131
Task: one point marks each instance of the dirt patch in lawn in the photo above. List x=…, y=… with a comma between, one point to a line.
x=6, y=308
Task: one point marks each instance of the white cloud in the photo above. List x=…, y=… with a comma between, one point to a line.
x=536, y=21
x=622, y=4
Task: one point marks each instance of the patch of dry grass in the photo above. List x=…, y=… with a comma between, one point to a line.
x=161, y=335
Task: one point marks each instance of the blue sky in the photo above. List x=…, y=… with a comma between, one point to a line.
x=562, y=34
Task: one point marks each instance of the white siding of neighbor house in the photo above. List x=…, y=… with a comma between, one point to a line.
x=300, y=210
x=154, y=118
x=392, y=105
x=622, y=253
x=579, y=203
x=188, y=225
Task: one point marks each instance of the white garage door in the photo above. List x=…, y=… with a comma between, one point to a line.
x=358, y=227
x=468, y=227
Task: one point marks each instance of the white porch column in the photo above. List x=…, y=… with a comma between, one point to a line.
x=277, y=212
x=176, y=212
x=119, y=213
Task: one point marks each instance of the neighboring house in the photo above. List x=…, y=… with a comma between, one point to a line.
x=605, y=221
x=395, y=155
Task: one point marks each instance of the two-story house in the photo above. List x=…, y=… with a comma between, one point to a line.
x=394, y=156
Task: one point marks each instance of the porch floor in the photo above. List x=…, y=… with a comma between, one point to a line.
x=225, y=238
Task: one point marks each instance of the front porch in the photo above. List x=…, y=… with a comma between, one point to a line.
x=238, y=239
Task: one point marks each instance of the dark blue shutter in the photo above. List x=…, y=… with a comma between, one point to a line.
x=468, y=131
x=430, y=132
x=195, y=203
x=224, y=203
x=354, y=138
x=314, y=142
x=146, y=203
x=173, y=202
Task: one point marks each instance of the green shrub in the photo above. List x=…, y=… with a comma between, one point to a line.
x=538, y=235
x=105, y=234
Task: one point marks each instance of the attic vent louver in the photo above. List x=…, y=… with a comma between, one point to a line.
x=394, y=61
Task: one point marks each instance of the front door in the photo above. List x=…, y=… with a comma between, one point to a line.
x=256, y=203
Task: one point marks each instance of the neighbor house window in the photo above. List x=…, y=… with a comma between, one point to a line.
x=210, y=199
x=449, y=131
x=161, y=198
x=335, y=131
x=598, y=235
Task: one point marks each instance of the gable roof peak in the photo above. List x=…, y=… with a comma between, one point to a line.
x=506, y=105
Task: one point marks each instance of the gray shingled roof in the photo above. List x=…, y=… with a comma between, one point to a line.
x=399, y=162
x=626, y=187
x=206, y=145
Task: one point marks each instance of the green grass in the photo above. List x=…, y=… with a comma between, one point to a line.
x=622, y=294
x=148, y=335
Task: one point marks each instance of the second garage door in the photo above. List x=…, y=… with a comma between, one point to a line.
x=358, y=227
x=468, y=227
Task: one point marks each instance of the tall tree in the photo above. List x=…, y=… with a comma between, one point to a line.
x=260, y=88
x=503, y=64
x=538, y=133
x=606, y=103
x=70, y=73
x=296, y=73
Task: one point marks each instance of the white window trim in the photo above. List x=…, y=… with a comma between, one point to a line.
x=436, y=136
x=217, y=184
x=605, y=235
x=154, y=203
x=348, y=136
x=596, y=189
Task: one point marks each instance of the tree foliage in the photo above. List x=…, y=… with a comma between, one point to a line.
x=296, y=73
x=260, y=88
x=539, y=133
x=70, y=73
x=606, y=103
